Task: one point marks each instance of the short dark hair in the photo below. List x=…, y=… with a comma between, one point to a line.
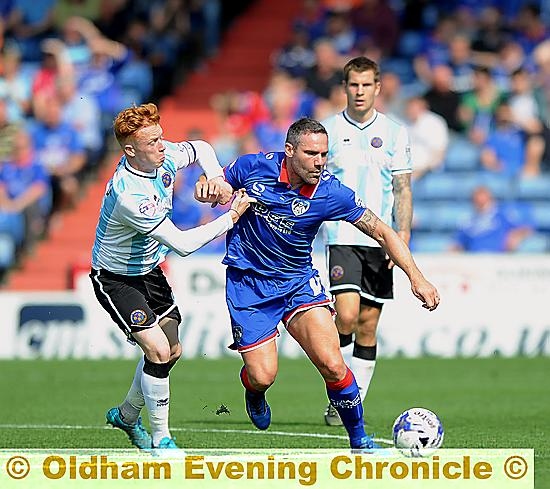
x=361, y=64
x=302, y=126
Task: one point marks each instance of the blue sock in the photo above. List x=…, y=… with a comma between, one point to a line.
x=344, y=396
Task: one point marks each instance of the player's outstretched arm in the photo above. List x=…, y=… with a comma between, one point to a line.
x=399, y=253
x=190, y=240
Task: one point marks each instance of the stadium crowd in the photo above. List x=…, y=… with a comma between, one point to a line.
x=471, y=80
x=67, y=67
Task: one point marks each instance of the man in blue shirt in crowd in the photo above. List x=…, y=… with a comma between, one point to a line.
x=491, y=228
x=270, y=276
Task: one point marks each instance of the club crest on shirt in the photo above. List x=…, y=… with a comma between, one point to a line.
x=147, y=207
x=336, y=272
x=376, y=142
x=138, y=317
x=166, y=179
x=299, y=207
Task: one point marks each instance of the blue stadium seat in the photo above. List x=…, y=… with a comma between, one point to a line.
x=536, y=243
x=445, y=186
x=537, y=188
x=431, y=242
x=502, y=186
x=440, y=216
x=461, y=155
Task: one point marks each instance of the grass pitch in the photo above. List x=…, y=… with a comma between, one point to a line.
x=483, y=403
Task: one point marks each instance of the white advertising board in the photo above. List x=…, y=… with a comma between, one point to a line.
x=491, y=305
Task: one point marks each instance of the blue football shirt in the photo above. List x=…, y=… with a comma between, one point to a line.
x=275, y=236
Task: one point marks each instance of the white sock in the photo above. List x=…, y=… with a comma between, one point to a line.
x=363, y=371
x=157, y=398
x=347, y=352
x=134, y=402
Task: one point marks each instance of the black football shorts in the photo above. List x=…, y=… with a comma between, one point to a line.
x=361, y=269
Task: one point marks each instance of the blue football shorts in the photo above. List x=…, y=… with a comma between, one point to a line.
x=257, y=304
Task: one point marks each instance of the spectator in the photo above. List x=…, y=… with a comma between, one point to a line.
x=477, y=107
x=83, y=115
x=490, y=35
x=296, y=57
x=340, y=32
x=429, y=137
x=377, y=21
x=55, y=62
x=391, y=99
x=59, y=148
x=504, y=149
x=15, y=85
x=8, y=130
x=30, y=23
x=491, y=227
x=460, y=62
x=25, y=188
x=327, y=72
x=442, y=99
x=434, y=50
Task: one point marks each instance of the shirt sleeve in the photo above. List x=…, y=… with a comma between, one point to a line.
x=401, y=158
x=343, y=204
x=200, y=152
x=236, y=173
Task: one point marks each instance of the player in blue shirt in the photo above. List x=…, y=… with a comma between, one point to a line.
x=133, y=236
x=270, y=276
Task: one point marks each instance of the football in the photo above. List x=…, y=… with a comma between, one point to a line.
x=417, y=432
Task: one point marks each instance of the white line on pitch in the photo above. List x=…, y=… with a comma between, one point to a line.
x=191, y=430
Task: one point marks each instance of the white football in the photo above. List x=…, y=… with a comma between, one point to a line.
x=417, y=432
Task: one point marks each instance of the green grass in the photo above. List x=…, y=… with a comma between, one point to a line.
x=483, y=403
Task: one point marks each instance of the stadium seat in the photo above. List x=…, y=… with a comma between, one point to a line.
x=536, y=243
x=440, y=216
x=431, y=242
x=502, y=186
x=461, y=155
x=445, y=186
x=537, y=188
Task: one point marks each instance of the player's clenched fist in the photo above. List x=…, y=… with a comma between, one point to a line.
x=240, y=203
x=215, y=190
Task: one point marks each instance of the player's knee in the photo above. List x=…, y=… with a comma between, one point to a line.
x=346, y=321
x=159, y=353
x=366, y=334
x=175, y=352
x=262, y=380
x=333, y=369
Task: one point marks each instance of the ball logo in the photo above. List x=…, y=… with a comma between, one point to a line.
x=299, y=207
x=336, y=272
x=138, y=317
x=147, y=208
x=166, y=179
x=376, y=142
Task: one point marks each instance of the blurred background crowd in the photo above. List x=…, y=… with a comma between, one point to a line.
x=470, y=80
